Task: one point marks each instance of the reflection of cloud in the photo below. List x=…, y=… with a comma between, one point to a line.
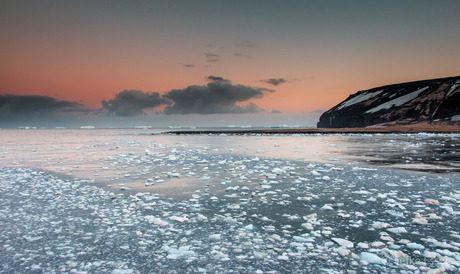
x=35, y=105
x=133, y=102
x=212, y=57
x=275, y=81
x=218, y=96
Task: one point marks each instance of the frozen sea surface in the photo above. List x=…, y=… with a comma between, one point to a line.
x=111, y=201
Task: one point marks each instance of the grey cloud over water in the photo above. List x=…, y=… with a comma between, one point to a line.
x=133, y=102
x=218, y=96
x=35, y=106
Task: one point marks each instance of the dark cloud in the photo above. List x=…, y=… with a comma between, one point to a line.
x=133, y=102
x=275, y=81
x=276, y=111
x=35, y=106
x=213, y=78
x=218, y=96
x=212, y=57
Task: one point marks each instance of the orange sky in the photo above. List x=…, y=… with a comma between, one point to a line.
x=87, y=52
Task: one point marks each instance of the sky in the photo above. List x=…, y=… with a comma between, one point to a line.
x=213, y=62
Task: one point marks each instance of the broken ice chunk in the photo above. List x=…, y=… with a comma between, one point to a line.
x=415, y=246
x=380, y=225
x=215, y=237
x=326, y=207
x=420, y=221
x=155, y=220
x=431, y=201
x=397, y=230
x=343, y=242
x=371, y=258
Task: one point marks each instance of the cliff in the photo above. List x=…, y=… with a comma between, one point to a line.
x=436, y=100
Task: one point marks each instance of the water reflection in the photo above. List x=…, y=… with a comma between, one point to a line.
x=120, y=156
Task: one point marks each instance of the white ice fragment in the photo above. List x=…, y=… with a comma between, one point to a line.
x=173, y=174
x=430, y=254
x=276, y=237
x=32, y=239
x=315, y=173
x=377, y=244
x=307, y=226
x=156, y=221
x=300, y=239
x=415, y=246
x=395, y=255
x=176, y=253
x=397, y=230
x=380, y=225
x=215, y=237
x=219, y=255
x=343, y=242
x=326, y=207
x=310, y=216
x=420, y=221
x=371, y=258
x=249, y=227
x=433, y=216
x=363, y=245
x=343, y=251
x=179, y=219
x=431, y=201
x=283, y=258
x=278, y=171
x=201, y=217
x=362, y=192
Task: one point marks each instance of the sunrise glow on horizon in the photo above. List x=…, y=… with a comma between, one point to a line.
x=296, y=57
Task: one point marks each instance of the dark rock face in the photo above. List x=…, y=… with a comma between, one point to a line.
x=406, y=103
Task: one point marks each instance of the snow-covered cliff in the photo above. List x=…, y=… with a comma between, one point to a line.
x=406, y=103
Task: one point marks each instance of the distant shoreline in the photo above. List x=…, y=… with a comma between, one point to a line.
x=367, y=130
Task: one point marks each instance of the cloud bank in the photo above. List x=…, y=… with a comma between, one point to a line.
x=35, y=106
x=218, y=96
x=133, y=102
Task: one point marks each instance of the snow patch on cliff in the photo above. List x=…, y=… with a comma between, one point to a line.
x=398, y=101
x=454, y=87
x=360, y=98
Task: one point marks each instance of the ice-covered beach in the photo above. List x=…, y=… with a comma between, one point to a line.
x=128, y=201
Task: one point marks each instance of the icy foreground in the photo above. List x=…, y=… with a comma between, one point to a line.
x=271, y=216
